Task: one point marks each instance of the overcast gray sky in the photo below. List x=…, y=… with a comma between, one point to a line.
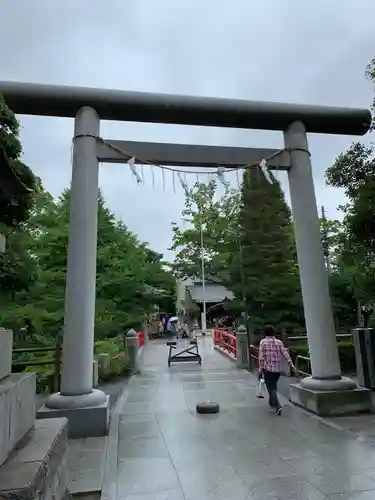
x=312, y=52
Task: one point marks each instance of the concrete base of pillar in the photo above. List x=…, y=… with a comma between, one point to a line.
x=90, y=421
x=339, y=384
x=332, y=403
x=60, y=401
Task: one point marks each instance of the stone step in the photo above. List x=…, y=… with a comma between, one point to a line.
x=17, y=410
x=37, y=466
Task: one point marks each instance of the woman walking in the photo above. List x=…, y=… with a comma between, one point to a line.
x=272, y=355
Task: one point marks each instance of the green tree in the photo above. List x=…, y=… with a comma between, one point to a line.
x=344, y=274
x=344, y=303
x=14, y=210
x=370, y=75
x=216, y=217
x=271, y=273
x=255, y=220
x=353, y=171
x=18, y=268
x=42, y=306
x=130, y=276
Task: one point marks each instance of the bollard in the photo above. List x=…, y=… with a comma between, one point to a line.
x=364, y=347
x=104, y=365
x=95, y=374
x=145, y=329
x=242, y=348
x=3, y=243
x=132, y=350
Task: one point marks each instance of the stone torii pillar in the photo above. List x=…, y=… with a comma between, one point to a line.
x=86, y=408
x=326, y=391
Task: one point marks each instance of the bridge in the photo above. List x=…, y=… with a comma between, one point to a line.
x=160, y=448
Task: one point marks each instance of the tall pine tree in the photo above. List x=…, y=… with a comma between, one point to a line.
x=269, y=265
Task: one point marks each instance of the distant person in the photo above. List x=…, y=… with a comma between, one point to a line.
x=185, y=330
x=272, y=355
x=170, y=328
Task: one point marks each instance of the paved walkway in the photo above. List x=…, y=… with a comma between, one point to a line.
x=86, y=457
x=160, y=449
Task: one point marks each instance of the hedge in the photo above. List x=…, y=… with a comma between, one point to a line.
x=346, y=354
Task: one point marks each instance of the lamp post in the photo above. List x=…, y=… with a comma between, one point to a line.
x=204, y=313
x=243, y=290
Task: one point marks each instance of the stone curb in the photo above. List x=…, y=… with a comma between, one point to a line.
x=109, y=486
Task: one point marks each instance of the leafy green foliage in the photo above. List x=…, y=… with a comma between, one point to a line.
x=118, y=359
x=354, y=172
x=370, y=75
x=131, y=278
x=15, y=211
x=216, y=217
x=18, y=268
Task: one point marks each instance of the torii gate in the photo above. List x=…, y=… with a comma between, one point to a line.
x=78, y=399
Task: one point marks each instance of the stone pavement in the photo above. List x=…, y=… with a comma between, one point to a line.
x=85, y=463
x=86, y=457
x=361, y=426
x=160, y=449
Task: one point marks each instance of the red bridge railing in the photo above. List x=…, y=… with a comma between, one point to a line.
x=141, y=339
x=226, y=342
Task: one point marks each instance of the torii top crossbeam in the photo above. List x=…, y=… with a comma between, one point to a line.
x=120, y=105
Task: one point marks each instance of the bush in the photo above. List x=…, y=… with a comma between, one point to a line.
x=44, y=377
x=118, y=360
x=118, y=363
x=346, y=354
x=109, y=346
x=347, y=357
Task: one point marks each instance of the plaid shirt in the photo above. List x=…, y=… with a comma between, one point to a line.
x=272, y=355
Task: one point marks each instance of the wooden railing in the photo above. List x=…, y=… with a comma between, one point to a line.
x=254, y=357
x=302, y=373
x=302, y=339
x=52, y=360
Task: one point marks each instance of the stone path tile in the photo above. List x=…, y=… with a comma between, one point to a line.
x=211, y=481
x=146, y=475
x=161, y=495
x=292, y=487
x=142, y=448
x=355, y=495
x=85, y=461
x=341, y=480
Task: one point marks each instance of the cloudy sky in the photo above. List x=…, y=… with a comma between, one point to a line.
x=311, y=52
